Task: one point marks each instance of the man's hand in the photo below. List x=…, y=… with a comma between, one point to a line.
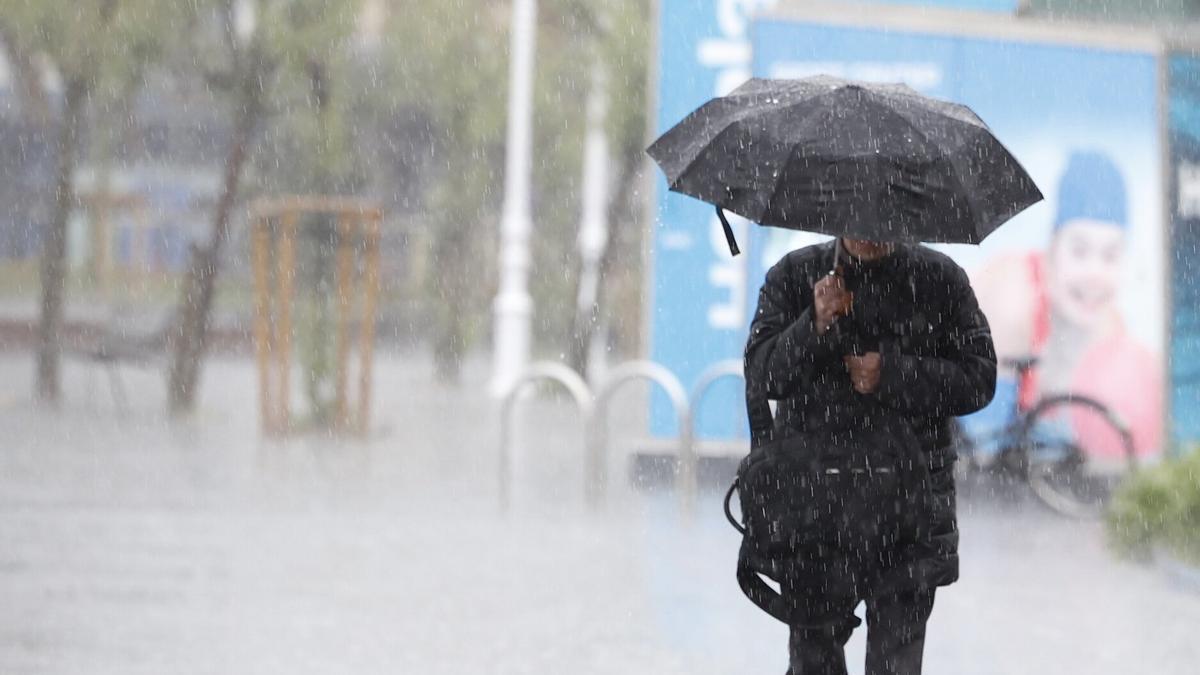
x=864, y=372
x=830, y=300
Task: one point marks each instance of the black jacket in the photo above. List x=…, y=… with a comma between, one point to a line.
x=916, y=308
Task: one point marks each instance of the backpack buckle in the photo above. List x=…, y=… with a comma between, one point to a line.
x=832, y=471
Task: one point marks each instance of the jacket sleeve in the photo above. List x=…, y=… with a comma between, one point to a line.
x=784, y=348
x=961, y=379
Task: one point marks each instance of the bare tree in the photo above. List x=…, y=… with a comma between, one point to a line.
x=284, y=37
x=85, y=44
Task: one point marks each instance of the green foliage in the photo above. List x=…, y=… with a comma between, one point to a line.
x=446, y=65
x=308, y=32
x=307, y=147
x=448, y=57
x=286, y=45
x=94, y=40
x=625, y=48
x=436, y=84
x=1159, y=507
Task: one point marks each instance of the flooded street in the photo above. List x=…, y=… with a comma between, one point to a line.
x=131, y=546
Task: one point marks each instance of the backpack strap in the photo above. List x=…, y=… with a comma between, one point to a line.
x=762, y=429
x=768, y=599
x=729, y=512
x=758, y=412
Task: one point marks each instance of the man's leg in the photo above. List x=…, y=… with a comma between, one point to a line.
x=896, y=632
x=818, y=647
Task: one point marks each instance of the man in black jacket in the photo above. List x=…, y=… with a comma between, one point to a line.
x=895, y=331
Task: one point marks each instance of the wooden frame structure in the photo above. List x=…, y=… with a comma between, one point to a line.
x=274, y=227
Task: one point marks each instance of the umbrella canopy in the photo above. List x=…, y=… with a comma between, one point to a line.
x=849, y=159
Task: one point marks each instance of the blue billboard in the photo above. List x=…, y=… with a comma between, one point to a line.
x=698, y=297
x=1075, y=280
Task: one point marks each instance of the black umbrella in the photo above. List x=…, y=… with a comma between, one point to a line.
x=851, y=159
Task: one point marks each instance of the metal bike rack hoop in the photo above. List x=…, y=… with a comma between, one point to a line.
x=538, y=371
x=598, y=438
x=714, y=373
x=730, y=368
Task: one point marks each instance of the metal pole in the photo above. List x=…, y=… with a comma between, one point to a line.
x=513, y=306
x=593, y=226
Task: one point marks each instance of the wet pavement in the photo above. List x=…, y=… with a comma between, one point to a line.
x=130, y=545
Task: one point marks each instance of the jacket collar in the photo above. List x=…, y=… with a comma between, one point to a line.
x=836, y=254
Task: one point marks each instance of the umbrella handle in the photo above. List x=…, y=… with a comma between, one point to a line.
x=733, y=247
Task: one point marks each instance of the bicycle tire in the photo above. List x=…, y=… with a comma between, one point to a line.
x=1057, y=471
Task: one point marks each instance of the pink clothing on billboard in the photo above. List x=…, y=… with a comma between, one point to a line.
x=1114, y=369
x=1124, y=376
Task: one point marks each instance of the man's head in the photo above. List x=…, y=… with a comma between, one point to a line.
x=1087, y=248
x=865, y=249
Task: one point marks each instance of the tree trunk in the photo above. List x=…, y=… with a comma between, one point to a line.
x=451, y=275
x=592, y=318
x=54, y=245
x=624, y=246
x=199, y=288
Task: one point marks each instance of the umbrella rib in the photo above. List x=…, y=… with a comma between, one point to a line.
x=1013, y=208
x=783, y=173
x=705, y=148
x=791, y=155
x=714, y=142
x=948, y=109
x=954, y=170
x=738, y=119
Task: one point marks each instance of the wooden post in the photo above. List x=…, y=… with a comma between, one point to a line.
x=345, y=280
x=283, y=344
x=262, y=320
x=357, y=222
x=367, y=333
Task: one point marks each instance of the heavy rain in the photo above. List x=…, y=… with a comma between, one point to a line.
x=599, y=336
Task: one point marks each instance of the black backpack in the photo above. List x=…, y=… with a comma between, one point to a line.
x=861, y=494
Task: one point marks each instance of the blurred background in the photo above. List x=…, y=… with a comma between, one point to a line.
x=270, y=271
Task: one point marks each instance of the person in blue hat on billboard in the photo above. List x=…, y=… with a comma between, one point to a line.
x=1061, y=306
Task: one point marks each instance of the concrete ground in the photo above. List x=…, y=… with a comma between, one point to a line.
x=131, y=545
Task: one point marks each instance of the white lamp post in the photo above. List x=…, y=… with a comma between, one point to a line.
x=513, y=307
x=245, y=21
x=593, y=227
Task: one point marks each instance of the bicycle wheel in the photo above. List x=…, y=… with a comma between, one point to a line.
x=1064, y=471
